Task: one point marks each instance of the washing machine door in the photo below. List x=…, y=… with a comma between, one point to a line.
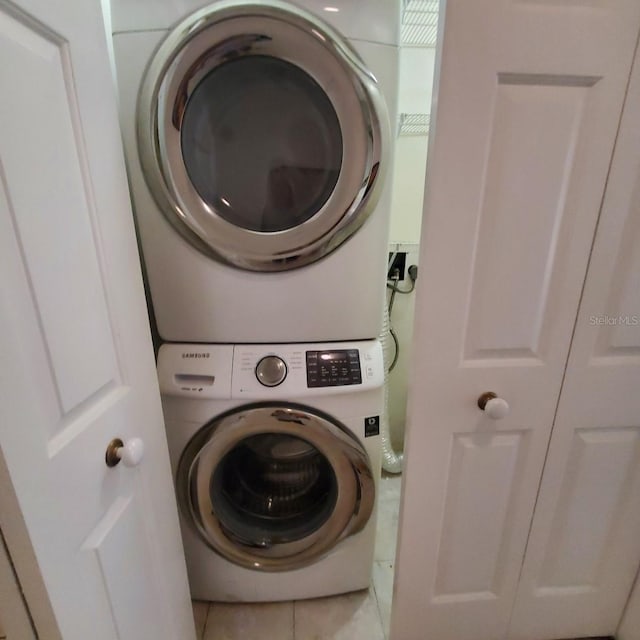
x=272, y=487
x=261, y=134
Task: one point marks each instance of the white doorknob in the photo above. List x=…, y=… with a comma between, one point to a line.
x=130, y=453
x=496, y=408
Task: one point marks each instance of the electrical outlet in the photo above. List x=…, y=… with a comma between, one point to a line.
x=399, y=263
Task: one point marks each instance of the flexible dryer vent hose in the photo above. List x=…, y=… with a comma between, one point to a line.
x=391, y=461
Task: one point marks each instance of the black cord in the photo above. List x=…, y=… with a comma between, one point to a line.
x=396, y=355
x=391, y=299
x=393, y=285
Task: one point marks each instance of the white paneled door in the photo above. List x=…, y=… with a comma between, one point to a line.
x=529, y=95
x=77, y=362
x=584, y=547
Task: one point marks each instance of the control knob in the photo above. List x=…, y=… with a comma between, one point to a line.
x=271, y=371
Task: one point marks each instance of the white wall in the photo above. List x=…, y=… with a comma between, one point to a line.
x=408, y=181
x=402, y=322
x=416, y=78
x=414, y=96
x=415, y=81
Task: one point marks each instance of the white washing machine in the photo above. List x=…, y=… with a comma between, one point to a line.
x=276, y=457
x=257, y=143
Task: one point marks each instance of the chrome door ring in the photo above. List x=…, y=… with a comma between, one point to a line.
x=348, y=459
x=229, y=30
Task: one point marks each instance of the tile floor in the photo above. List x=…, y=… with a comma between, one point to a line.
x=363, y=615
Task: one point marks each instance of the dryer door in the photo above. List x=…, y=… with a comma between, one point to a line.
x=272, y=487
x=261, y=134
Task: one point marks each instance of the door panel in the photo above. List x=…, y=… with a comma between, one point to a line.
x=618, y=332
x=583, y=554
x=62, y=266
x=580, y=541
x=482, y=473
x=77, y=359
x=121, y=528
x=528, y=98
x=536, y=124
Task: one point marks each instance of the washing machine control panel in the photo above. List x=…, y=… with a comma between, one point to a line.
x=333, y=368
x=299, y=370
x=262, y=371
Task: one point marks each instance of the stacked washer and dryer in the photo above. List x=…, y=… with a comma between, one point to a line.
x=257, y=143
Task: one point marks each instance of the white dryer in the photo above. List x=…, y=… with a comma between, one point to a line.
x=257, y=143
x=276, y=457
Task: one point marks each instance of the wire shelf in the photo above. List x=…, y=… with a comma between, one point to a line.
x=414, y=124
x=419, y=22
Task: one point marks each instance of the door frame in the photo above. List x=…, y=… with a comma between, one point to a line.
x=25, y=565
x=629, y=627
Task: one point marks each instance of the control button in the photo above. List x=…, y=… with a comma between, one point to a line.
x=369, y=372
x=271, y=371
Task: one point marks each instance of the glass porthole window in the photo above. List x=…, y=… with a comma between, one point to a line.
x=262, y=144
x=273, y=489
